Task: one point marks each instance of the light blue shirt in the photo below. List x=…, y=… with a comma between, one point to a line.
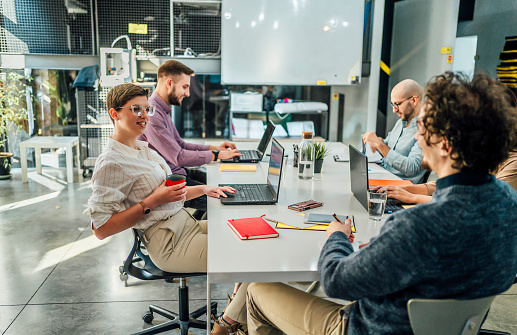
x=405, y=156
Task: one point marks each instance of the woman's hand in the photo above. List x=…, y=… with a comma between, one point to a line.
x=399, y=193
x=165, y=194
x=218, y=191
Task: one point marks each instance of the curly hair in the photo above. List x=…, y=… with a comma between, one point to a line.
x=476, y=117
x=120, y=94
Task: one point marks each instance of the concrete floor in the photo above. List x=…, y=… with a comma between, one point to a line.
x=57, y=278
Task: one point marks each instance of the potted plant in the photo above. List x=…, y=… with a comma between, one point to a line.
x=320, y=151
x=13, y=113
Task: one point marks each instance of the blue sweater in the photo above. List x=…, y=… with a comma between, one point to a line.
x=461, y=245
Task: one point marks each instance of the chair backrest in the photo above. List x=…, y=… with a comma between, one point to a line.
x=447, y=316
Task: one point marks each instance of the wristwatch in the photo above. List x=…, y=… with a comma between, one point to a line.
x=146, y=209
x=216, y=154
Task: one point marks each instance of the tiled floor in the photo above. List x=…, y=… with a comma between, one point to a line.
x=56, y=278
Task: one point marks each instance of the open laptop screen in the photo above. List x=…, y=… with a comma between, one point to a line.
x=359, y=175
x=275, y=166
x=266, y=137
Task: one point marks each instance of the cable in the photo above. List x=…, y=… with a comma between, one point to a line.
x=121, y=37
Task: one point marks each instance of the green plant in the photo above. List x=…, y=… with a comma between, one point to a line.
x=13, y=104
x=321, y=150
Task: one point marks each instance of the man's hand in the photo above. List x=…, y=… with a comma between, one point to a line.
x=227, y=154
x=335, y=226
x=218, y=191
x=375, y=142
x=226, y=145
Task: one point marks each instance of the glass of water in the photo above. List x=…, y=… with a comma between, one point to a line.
x=376, y=204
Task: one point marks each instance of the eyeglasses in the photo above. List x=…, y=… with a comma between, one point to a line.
x=397, y=104
x=137, y=109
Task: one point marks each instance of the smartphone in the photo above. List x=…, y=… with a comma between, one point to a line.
x=304, y=205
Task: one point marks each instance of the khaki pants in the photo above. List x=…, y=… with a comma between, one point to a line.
x=275, y=308
x=179, y=245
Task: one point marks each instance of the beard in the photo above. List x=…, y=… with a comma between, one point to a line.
x=407, y=115
x=174, y=99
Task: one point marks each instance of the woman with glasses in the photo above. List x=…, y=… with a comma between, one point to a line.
x=129, y=191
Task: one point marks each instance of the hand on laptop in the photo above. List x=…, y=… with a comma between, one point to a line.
x=228, y=154
x=218, y=191
x=400, y=193
x=226, y=145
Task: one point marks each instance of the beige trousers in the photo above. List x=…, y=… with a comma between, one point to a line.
x=174, y=250
x=275, y=308
x=185, y=251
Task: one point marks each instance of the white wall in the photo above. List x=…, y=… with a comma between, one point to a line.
x=420, y=29
x=360, y=101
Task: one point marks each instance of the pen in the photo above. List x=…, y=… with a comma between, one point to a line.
x=270, y=220
x=337, y=218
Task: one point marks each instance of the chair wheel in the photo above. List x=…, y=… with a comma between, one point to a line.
x=121, y=269
x=87, y=173
x=124, y=277
x=148, y=317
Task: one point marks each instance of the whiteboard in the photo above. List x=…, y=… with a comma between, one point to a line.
x=295, y=42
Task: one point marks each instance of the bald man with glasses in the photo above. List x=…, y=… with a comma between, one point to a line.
x=401, y=153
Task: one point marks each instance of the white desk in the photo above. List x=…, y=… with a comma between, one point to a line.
x=293, y=256
x=50, y=142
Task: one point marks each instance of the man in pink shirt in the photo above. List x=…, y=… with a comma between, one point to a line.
x=172, y=87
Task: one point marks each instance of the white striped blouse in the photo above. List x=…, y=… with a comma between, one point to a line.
x=123, y=177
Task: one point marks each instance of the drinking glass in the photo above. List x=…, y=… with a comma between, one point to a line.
x=376, y=204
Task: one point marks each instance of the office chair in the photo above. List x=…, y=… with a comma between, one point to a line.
x=449, y=316
x=149, y=271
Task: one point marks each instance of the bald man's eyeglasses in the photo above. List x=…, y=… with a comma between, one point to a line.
x=396, y=105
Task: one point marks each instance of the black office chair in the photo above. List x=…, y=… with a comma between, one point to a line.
x=149, y=271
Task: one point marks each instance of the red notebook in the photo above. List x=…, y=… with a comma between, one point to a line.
x=252, y=228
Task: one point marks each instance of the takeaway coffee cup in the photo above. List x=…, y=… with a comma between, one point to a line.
x=174, y=179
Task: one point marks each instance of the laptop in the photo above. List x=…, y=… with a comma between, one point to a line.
x=255, y=156
x=260, y=194
x=359, y=181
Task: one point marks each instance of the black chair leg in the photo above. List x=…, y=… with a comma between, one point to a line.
x=163, y=312
x=183, y=320
x=200, y=311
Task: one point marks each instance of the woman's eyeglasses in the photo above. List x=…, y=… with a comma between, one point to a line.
x=137, y=109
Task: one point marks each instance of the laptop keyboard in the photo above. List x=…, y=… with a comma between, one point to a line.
x=392, y=205
x=250, y=192
x=249, y=154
